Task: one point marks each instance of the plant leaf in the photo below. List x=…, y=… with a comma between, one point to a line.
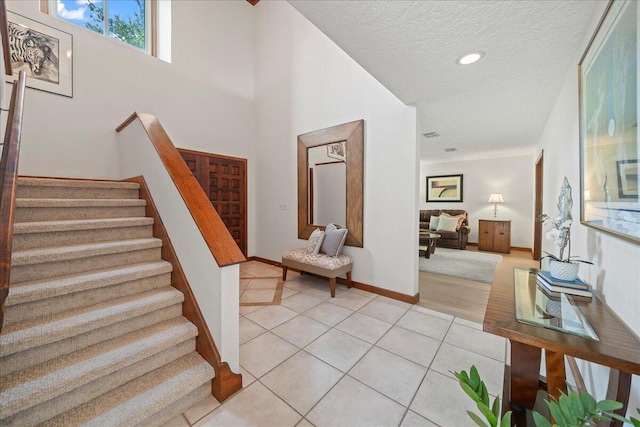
x=470, y=392
x=588, y=402
x=475, y=379
x=506, y=420
x=484, y=394
x=557, y=413
x=540, y=420
x=477, y=419
x=493, y=420
x=608, y=405
x=576, y=403
x=496, y=407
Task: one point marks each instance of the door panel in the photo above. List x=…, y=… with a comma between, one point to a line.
x=224, y=181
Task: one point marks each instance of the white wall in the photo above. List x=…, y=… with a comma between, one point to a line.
x=616, y=271
x=304, y=82
x=511, y=176
x=204, y=97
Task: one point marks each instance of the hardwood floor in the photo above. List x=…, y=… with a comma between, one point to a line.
x=461, y=297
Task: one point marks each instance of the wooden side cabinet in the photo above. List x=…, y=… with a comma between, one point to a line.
x=494, y=236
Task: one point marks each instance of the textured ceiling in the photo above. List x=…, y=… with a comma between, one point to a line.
x=495, y=107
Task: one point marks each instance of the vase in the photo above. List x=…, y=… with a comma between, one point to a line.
x=566, y=271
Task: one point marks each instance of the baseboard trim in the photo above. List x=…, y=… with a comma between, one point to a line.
x=513, y=248
x=411, y=299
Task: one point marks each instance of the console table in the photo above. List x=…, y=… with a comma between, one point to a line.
x=618, y=348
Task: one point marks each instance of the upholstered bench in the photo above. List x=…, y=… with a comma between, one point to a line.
x=320, y=264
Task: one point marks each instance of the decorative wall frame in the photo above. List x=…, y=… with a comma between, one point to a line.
x=337, y=150
x=43, y=52
x=609, y=150
x=444, y=188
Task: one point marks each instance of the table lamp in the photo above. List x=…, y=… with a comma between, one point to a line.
x=495, y=199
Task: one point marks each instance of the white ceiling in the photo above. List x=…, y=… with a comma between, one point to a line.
x=496, y=107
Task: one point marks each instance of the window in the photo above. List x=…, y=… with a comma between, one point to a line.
x=129, y=21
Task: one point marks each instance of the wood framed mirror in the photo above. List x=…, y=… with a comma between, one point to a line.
x=344, y=144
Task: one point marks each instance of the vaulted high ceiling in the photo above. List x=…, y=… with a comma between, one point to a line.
x=496, y=107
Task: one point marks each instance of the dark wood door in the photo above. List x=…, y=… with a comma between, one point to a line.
x=224, y=181
x=537, y=225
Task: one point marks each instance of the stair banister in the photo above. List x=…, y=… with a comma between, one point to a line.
x=4, y=30
x=206, y=251
x=8, y=181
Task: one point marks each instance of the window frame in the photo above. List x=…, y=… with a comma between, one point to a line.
x=50, y=7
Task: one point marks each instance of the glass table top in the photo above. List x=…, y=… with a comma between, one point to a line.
x=428, y=235
x=534, y=307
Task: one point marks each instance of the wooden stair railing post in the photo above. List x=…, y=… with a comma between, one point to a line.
x=8, y=182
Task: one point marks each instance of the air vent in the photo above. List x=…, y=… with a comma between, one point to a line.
x=430, y=134
x=449, y=150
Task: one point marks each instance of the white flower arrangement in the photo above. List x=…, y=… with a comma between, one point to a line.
x=560, y=232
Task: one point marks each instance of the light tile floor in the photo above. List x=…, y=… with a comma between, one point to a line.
x=358, y=359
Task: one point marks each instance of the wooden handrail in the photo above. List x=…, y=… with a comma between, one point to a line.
x=225, y=383
x=4, y=32
x=8, y=182
x=216, y=235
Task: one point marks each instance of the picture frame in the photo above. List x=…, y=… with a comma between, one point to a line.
x=337, y=150
x=608, y=101
x=444, y=188
x=43, y=52
x=627, y=178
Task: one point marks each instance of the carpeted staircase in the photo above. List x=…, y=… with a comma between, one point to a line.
x=93, y=331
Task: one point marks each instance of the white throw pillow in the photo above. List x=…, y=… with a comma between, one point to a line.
x=315, y=241
x=433, y=222
x=447, y=224
x=460, y=219
x=334, y=238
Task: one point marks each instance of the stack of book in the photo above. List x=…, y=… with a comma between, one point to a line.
x=554, y=287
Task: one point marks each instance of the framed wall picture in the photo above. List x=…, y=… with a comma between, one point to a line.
x=627, y=179
x=445, y=188
x=609, y=124
x=337, y=150
x=43, y=52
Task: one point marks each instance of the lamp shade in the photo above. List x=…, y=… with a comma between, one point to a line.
x=496, y=198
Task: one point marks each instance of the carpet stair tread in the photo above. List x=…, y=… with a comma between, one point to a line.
x=25, y=181
x=137, y=400
x=45, y=330
x=21, y=293
x=24, y=389
x=34, y=188
x=74, y=225
x=62, y=253
x=77, y=203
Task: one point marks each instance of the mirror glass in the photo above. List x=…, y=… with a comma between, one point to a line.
x=327, y=184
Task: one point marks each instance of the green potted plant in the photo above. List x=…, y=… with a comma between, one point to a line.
x=570, y=410
x=561, y=267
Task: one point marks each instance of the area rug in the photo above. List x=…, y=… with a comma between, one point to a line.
x=470, y=265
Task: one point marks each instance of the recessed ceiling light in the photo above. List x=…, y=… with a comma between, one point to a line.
x=431, y=134
x=470, y=57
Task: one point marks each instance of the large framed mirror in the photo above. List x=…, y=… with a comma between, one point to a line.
x=330, y=180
